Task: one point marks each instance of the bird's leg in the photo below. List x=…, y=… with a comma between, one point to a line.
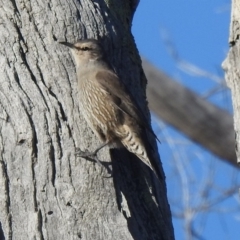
x=86, y=153
x=91, y=155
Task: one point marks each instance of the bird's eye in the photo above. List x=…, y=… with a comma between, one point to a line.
x=85, y=48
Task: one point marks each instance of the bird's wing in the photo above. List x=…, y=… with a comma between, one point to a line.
x=121, y=97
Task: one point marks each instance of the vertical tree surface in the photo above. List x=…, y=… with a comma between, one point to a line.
x=232, y=69
x=46, y=192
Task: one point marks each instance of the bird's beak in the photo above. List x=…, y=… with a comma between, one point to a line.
x=70, y=45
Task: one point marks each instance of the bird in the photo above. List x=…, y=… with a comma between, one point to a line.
x=107, y=106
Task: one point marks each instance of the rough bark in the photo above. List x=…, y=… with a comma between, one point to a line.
x=197, y=118
x=45, y=191
x=232, y=69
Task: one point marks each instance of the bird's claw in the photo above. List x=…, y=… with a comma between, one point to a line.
x=88, y=155
x=85, y=154
x=92, y=156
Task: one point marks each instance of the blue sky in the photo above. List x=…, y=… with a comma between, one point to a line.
x=198, y=31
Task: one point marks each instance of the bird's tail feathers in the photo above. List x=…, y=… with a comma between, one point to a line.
x=142, y=149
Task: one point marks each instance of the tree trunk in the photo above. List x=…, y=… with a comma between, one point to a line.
x=232, y=68
x=46, y=192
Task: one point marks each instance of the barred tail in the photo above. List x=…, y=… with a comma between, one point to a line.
x=138, y=144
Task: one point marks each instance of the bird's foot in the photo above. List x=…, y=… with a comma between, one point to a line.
x=92, y=156
x=84, y=154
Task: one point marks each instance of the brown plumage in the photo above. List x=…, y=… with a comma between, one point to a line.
x=107, y=106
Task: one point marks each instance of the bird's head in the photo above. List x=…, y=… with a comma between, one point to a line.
x=85, y=51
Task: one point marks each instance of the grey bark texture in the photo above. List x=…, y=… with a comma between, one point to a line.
x=232, y=70
x=45, y=191
x=197, y=118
